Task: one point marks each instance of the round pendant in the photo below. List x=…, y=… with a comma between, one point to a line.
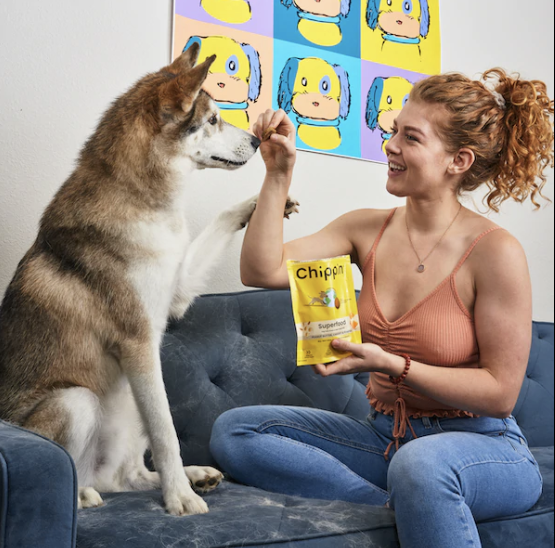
x=421, y=268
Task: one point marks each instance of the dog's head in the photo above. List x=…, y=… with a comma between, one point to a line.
x=167, y=117
x=190, y=126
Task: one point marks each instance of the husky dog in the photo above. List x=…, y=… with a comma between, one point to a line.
x=82, y=321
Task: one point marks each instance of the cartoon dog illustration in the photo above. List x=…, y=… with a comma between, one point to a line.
x=386, y=98
x=319, y=94
x=400, y=21
x=320, y=20
x=327, y=298
x=234, y=78
x=235, y=12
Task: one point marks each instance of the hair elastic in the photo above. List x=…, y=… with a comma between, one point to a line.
x=500, y=100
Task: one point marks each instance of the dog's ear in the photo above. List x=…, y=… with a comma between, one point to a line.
x=182, y=91
x=187, y=60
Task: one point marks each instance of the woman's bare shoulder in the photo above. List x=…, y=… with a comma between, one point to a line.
x=496, y=249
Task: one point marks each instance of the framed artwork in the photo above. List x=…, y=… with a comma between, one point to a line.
x=341, y=69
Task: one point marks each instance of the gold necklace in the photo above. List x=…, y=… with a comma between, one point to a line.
x=421, y=267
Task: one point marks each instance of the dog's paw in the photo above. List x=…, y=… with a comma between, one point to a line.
x=204, y=478
x=186, y=503
x=291, y=206
x=88, y=498
x=238, y=217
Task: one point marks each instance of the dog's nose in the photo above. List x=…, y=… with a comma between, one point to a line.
x=255, y=142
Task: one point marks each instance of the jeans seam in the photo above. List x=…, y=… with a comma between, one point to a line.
x=327, y=437
x=467, y=525
x=332, y=458
x=523, y=460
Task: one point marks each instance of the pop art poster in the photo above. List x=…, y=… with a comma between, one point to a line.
x=341, y=69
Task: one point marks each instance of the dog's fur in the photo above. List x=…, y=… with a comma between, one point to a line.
x=82, y=321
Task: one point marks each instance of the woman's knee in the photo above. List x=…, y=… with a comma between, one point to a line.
x=415, y=469
x=225, y=430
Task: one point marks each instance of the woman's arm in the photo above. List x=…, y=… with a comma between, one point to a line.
x=264, y=255
x=503, y=319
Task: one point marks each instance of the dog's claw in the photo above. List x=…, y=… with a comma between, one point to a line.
x=291, y=206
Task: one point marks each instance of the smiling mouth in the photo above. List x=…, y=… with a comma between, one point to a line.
x=221, y=85
x=316, y=104
x=396, y=167
x=399, y=22
x=228, y=162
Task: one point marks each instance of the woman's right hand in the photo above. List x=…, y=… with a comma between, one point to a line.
x=279, y=152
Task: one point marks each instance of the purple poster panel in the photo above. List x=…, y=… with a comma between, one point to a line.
x=385, y=91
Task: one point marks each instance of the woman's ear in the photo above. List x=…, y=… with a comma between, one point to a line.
x=463, y=160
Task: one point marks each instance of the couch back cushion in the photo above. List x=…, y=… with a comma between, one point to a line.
x=535, y=408
x=239, y=349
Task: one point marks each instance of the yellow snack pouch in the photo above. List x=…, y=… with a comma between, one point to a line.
x=324, y=308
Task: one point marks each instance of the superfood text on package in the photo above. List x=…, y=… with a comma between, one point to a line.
x=324, y=308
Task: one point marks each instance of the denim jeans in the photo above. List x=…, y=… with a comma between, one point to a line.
x=456, y=472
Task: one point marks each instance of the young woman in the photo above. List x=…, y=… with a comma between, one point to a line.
x=445, y=312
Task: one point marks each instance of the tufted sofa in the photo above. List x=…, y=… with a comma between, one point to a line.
x=235, y=350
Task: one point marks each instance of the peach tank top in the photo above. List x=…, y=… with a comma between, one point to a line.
x=438, y=331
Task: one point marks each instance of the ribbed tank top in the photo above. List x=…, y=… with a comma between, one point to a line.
x=438, y=331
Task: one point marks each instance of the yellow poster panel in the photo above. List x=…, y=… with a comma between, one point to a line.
x=402, y=33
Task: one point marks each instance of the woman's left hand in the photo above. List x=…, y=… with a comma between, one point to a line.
x=365, y=358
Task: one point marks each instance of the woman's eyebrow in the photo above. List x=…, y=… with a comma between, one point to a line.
x=414, y=129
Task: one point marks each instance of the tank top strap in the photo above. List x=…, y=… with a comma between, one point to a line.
x=472, y=246
x=378, y=239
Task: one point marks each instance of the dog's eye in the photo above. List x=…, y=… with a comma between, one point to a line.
x=213, y=121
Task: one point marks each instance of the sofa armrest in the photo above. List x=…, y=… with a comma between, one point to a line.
x=38, y=491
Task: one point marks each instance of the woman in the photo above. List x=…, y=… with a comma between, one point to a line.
x=445, y=312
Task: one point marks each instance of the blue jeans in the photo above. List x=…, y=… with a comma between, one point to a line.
x=457, y=472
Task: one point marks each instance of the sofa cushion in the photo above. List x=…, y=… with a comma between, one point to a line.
x=243, y=516
x=534, y=410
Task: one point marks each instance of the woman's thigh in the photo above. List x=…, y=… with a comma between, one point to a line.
x=354, y=443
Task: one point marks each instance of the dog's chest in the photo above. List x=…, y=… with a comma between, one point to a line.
x=161, y=244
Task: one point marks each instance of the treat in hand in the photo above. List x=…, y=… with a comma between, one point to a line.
x=268, y=133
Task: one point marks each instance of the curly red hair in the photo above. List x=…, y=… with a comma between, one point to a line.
x=508, y=126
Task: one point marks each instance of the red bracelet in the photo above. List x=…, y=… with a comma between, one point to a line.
x=400, y=379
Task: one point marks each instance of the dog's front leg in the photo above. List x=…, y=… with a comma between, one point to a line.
x=141, y=363
x=204, y=252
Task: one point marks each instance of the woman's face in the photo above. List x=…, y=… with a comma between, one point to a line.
x=418, y=159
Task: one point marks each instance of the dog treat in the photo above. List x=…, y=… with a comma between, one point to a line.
x=324, y=308
x=268, y=133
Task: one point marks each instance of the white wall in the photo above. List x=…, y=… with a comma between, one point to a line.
x=62, y=62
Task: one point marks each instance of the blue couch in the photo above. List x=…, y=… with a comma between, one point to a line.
x=235, y=350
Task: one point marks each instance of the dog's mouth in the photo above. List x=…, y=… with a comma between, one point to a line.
x=228, y=162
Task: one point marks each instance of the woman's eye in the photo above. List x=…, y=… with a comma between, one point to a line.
x=411, y=138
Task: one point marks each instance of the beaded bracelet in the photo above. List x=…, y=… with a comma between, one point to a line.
x=400, y=379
